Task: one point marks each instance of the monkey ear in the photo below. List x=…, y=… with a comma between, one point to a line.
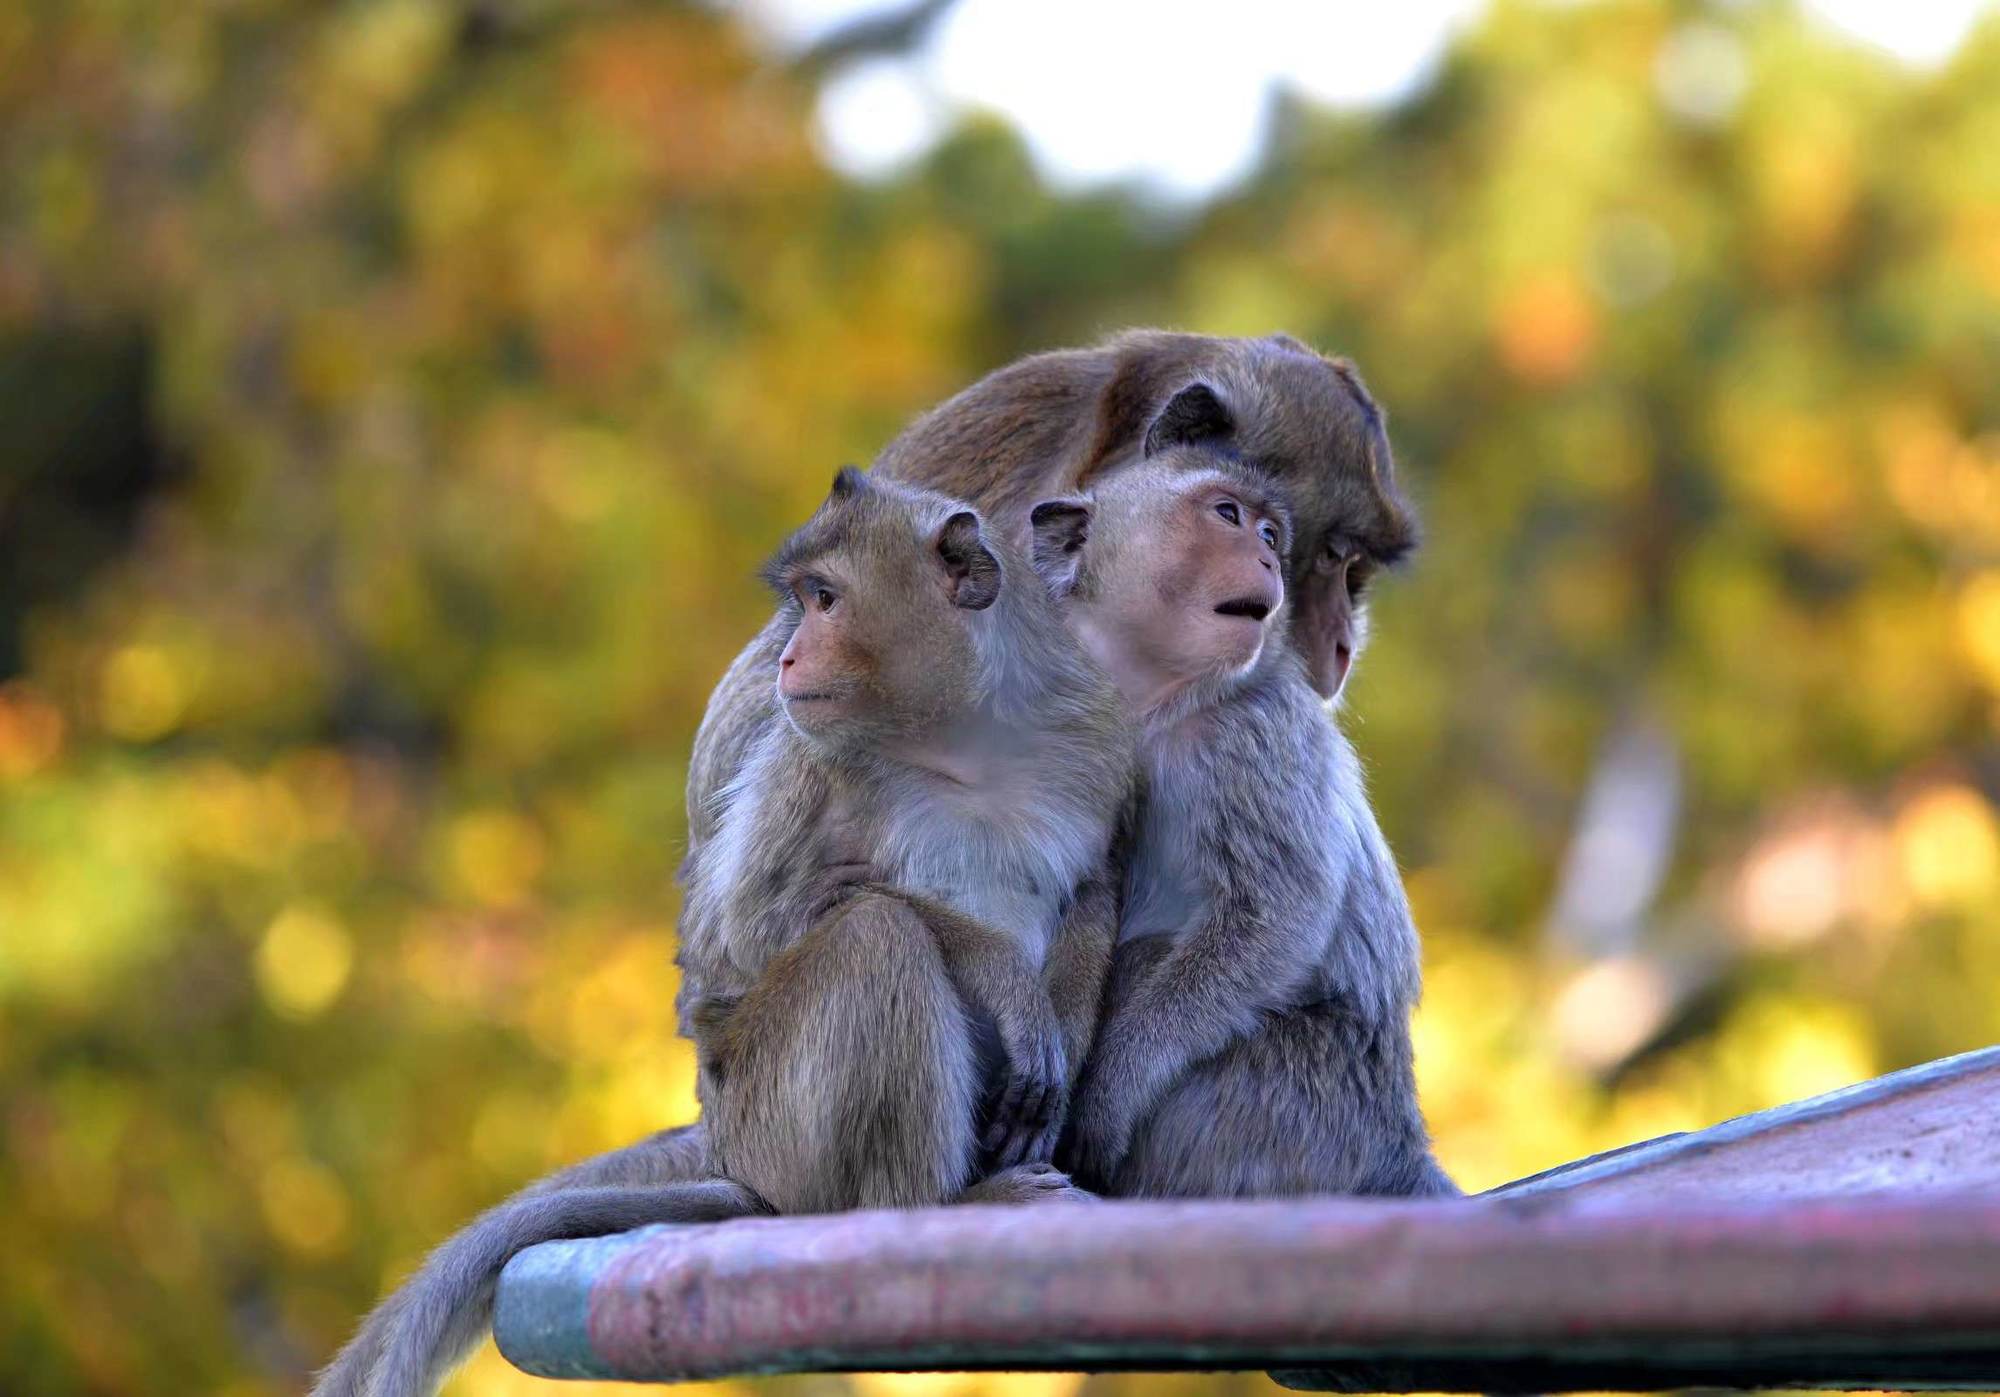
x=1060, y=528
x=971, y=566
x=1193, y=414
x=847, y=481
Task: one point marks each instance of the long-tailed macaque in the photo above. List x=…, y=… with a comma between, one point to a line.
x=892, y=950
x=1049, y=424
x=1256, y=1034
x=1056, y=423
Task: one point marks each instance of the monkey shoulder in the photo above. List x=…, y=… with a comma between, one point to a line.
x=748, y=873
x=740, y=714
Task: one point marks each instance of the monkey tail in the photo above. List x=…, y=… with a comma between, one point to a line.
x=414, y=1339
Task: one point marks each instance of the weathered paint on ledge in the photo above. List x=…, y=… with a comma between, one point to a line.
x=1876, y=1291
x=1850, y=1240
x=1931, y=1127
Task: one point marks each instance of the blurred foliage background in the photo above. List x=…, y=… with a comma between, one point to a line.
x=397, y=396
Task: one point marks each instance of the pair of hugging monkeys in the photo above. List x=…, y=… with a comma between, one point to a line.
x=1021, y=836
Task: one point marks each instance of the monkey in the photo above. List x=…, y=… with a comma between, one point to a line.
x=893, y=949
x=1055, y=423
x=1046, y=424
x=1255, y=1038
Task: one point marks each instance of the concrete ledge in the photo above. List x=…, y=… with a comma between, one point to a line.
x=1848, y=1241
x=1936, y=1126
x=1387, y=1296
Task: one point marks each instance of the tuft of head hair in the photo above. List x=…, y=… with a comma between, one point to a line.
x=830, y=528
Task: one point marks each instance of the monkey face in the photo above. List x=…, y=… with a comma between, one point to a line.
x=1181, y=578
x=824, y=670
x=1331, y=620
x=1220, y=583
x=1308, y=424
x=885, y=581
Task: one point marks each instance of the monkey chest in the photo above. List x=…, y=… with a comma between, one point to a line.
x=1169, y=883
x=984, y=874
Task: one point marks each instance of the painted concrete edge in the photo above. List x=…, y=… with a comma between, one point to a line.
x=541, y=1312
x=1647, y=1154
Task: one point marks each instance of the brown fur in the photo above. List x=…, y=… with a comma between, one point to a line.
x=1046, y=425
x=1053, y=424
x=893, y=947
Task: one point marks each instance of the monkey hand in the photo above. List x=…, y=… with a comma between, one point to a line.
x=833, y=884
x=1103, y=1120
x=1026, y=1109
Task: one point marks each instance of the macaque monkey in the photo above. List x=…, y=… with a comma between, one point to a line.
x=893, y=949
x=1045, y=425
x=893, y=952
x=1058, y=423
x=1256, y=1033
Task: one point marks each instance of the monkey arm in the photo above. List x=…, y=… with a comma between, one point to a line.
x=989, y=970
x=1271, y=886
x=1212, y=986
x=1078, y=966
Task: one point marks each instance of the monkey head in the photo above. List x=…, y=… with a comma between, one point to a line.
x=883, y=581
x=1172, y=572
x=1307, y=423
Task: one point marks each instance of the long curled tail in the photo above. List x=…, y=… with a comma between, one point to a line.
x=413, y=1340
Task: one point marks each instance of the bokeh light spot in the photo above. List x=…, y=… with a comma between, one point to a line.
x=1546, y=328
x=31, y=732
x=304, y=1206
x=1979, y=627
x=303, y=962
x=142, y=695
x=1949, y=845
x=496, y=856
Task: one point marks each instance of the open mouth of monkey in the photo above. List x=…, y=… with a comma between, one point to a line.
x=812, y=696
x=1250, y=607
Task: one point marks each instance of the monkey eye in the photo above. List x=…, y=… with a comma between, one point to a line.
x=1331, y=557
x=1268, y=532
x=1358, y=573
x=817, y=595
x=1231, y=512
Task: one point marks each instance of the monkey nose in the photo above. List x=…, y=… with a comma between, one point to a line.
x=786, y=661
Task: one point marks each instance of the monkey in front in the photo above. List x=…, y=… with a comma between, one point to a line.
x=893, y=948
x=1256, y=1035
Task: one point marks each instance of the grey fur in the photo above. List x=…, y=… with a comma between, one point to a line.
x=1050, y=423
x=850, y=1024
x=847, y=1054
x=1256, y=1034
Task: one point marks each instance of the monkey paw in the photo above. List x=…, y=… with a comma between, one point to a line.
x=1025, y=1113
x=1027, y=1183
